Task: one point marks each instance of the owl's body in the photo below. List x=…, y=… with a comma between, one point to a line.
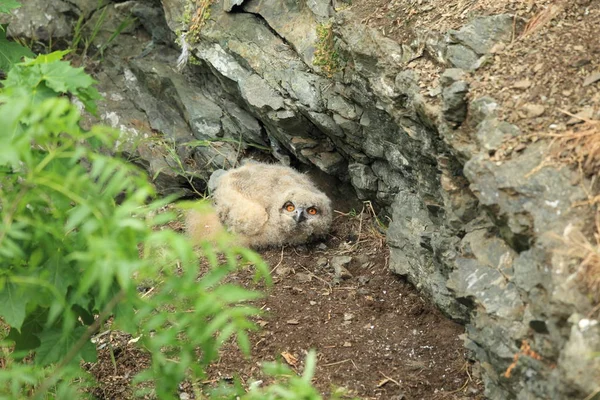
x=270, y=205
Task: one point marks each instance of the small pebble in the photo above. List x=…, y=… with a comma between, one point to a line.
x=321, y=262
x=342, y=273
x=339, y=266
x=363, y=279
x=533, y=110
x=522, y=84
x=302, y=277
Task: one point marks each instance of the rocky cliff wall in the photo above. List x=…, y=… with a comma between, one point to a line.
x=307, y=82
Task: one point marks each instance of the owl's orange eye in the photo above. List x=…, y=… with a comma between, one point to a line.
x=312, y=211
x=289, y=207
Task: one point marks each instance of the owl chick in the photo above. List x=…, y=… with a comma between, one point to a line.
x=269, y=205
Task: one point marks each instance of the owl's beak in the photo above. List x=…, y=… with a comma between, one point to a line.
x=299, y=215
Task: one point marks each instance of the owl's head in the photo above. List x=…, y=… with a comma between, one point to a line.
x=305, y=212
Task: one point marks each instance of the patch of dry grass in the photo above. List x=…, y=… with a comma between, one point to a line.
x=587, y=253
x=579, y=146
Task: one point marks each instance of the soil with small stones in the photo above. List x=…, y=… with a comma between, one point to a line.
x=374, y=335
x=546, y=80
x=548, y=71
x=404, y=20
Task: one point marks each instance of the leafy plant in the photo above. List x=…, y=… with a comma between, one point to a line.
x=296, y=387
x=326, y=56
x=47, y=76
x=10, y=52
x=69, y=252
x=194, y=17
x=7, y=6
x=288, y=385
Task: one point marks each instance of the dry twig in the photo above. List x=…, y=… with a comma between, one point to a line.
x=279, y=263
x=541, y=19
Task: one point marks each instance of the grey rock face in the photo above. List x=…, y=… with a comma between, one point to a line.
x=416, y=247
x=229, y=4
x=363, y=179
x=454, y=102
x=482, y=33
x=42, y=20
x=259, y=95
x=461, y=56
x=451, y=75
x=320, y=8
x=492, y=133
x=474, y=40
x=153, y=19
x=475, y=234
x=576, y=362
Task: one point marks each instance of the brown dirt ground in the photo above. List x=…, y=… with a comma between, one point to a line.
x=405, y=20
x=400, y=20
x=547, y=65
x=547, y=78
x=374, y=334
x=551, y=63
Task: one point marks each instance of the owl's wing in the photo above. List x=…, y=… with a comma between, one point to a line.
x=240, y=214
x=248, y=219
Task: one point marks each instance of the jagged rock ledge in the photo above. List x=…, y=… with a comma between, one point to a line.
x=470, y=231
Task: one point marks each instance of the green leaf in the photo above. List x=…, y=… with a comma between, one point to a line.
x=62, y=78
x=10, y=52
x=11, y=111
x=13, y=301
x=7, y=5
x=56, y=344
x=88, y=97
x=46, y=76
x=85, y=315
x=56, y=272
x=88, y=352
x=20, y=77
x=229, y=294
x=27, y=339
x=244, y=342
x=77, y=215
x=310, y=365
x=124, y=312
x=47, y=58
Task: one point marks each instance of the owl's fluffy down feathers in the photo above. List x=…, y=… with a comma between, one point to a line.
x=268, y=205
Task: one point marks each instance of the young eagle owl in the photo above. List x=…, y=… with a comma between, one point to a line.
x=268, y=205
